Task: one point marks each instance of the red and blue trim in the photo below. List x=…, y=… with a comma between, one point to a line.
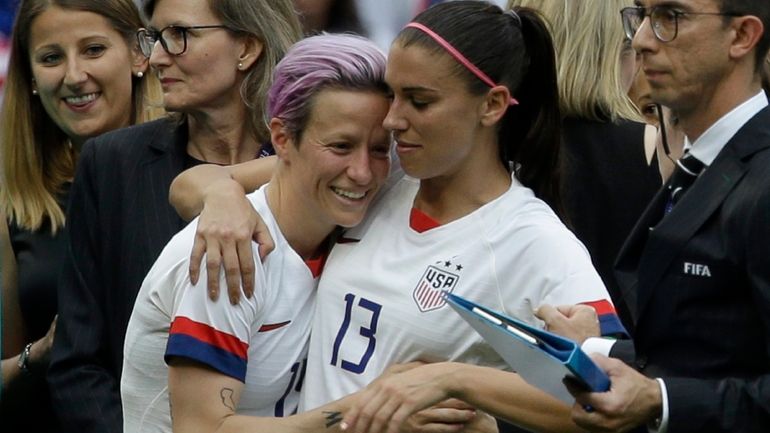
x=216, y=349
x=609, y=322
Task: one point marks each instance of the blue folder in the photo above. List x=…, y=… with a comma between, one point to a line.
x=541, y=358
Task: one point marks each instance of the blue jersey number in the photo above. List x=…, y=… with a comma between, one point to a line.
x=367, y=332
x=297, y=377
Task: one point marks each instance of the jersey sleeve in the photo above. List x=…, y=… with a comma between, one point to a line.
x=543, y=262
x=215, y=333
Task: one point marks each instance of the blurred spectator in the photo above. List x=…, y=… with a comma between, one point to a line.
x=608, y=178
x=640, y=95
x=7, y=12
x=382, y=20
x=335, y=16
x=664, y=144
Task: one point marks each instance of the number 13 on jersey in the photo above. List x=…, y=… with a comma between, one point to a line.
x=366, y=332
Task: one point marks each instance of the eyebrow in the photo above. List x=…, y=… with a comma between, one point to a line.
x=675, y=4
x=36, y=50
x=669, y=4
x=57, y=46
x=172, y=24
x=418, y=89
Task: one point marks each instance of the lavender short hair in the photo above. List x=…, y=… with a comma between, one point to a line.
x=325, y=61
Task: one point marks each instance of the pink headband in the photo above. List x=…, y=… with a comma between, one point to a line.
x=459, y=57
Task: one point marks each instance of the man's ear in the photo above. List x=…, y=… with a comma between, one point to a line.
x=250, y=51
x=748, y=32
x=282, y=139
x=495, y=105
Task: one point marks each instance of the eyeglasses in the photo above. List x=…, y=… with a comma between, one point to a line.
x=173, y=39
x=664, y=20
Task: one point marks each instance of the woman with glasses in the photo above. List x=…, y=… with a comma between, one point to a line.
x=63, y=88
x=214, y=80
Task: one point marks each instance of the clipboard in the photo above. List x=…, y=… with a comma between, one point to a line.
x=541, y=358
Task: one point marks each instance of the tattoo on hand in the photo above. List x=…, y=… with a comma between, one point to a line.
x=227, y=398
x=332, y=418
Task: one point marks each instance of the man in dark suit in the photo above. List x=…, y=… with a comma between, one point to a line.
x=696, y=268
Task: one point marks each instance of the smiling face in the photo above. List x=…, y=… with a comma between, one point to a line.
x=435, y=119
x=82, y=69
x=206, y=75
x=342, y=158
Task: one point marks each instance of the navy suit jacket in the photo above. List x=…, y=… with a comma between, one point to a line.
x=119, y=220
x=698, y=282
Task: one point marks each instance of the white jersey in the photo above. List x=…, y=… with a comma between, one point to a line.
x=379, y=301
x=262, y=341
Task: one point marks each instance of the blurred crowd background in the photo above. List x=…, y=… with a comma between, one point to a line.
x=7, y=9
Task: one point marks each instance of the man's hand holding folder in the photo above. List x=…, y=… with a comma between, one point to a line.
x=631, y=400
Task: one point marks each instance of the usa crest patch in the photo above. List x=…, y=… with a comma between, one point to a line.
x=430, y=290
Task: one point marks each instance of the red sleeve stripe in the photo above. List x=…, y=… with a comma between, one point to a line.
x=601, y=306
x=207, y=334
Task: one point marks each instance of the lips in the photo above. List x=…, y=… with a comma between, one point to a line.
x=404, y=147
x=81, y=102
x=350, y=195
x=168, y=81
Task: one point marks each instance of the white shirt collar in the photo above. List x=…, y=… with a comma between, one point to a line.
x=710, y=143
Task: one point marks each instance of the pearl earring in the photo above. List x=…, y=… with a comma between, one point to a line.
x=240, y=66
x=139, y=74
x=34, y=91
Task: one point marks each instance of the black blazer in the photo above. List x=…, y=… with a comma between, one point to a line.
x=119, y=220
x=699, y=284
x=607, y=184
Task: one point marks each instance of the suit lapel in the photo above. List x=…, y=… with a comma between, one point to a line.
x=629, y=257
x=648, y=253
x=666, y=241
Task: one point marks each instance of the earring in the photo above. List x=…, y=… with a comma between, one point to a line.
x=139, y=74
x=34, y=91
x=240, y=66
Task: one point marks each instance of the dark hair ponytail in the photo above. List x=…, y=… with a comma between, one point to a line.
x=514, y=49
x=531, y=133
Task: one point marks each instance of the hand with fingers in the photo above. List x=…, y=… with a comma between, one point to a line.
x=448, y=416
x=226, y=228
x=481, y=423
x=633, y=400
x=388, y=403
x=576, y=322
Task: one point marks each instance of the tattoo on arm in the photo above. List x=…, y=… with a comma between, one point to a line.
x=332, y=418
x=227, y=398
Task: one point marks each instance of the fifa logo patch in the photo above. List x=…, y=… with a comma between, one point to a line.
x=435, y=282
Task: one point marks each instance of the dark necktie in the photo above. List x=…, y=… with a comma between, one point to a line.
x=687, y=170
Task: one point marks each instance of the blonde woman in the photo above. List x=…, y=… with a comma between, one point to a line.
x=62, y=88
x=607, y=179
